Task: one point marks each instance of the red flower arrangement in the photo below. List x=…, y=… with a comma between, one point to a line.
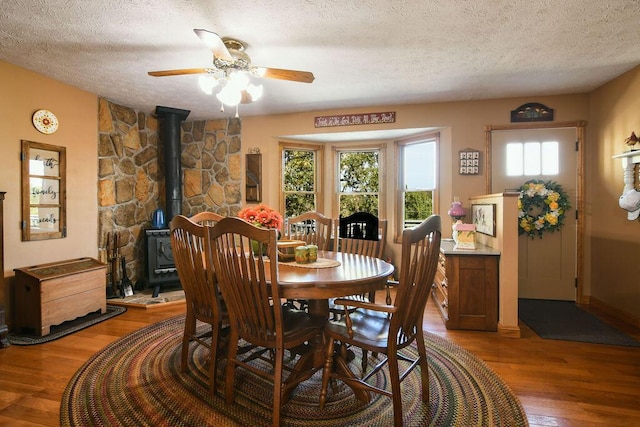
x=262, y=216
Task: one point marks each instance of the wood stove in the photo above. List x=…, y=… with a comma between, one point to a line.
x=160, y=268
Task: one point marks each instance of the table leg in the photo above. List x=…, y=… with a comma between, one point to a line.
x=342, y=368
x=312, y=359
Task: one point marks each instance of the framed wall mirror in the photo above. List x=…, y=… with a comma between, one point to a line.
x=254, y=177
x=44, y=195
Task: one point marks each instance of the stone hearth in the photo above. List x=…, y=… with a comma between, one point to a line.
x=131, y=175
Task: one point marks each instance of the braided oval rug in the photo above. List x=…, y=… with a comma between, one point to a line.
x=137, y=380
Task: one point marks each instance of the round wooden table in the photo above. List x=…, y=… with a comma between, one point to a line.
x=355, y=274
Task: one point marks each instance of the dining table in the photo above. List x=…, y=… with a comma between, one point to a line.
x=334, y=274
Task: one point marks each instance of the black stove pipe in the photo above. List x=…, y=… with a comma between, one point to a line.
x=173, y=117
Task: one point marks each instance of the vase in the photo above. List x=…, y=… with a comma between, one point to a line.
x=157, y=219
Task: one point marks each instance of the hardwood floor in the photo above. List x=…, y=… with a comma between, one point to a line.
x=559, y=383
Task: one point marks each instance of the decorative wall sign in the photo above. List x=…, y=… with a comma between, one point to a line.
x=532, y=112
x=44, y=196
x=355, y=119
x=469, y=162
x=484, y=218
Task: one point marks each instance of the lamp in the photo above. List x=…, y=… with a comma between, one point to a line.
x=456, y=211
x=236, y=89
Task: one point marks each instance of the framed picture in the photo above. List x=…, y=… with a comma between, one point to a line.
x=484, y=218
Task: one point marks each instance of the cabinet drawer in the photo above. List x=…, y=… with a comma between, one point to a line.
x=441, y=281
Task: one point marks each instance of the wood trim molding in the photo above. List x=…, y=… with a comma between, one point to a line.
x=509, y=331
x=614, y=312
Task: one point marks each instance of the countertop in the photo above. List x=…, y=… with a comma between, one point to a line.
x=447, y=247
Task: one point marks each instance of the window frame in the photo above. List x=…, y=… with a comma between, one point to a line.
x=543, y=161
x=400, y=144
x=381, y=149
x=318, y=149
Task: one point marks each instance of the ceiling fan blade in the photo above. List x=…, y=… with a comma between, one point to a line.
x=214, y=43
x=180, y=72
x=278, y=73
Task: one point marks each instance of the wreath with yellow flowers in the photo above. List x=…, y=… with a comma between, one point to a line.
x=542, y=206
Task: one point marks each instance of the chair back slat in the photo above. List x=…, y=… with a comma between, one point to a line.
x=248, y=282
x=312, y=228
x=420, y=250
x=200, y=288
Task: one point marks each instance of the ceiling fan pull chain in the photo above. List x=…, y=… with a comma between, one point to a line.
x=237, y=115
x=221, y=107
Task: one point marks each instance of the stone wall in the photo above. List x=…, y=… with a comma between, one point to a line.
x=131, y=175
x=211, y=167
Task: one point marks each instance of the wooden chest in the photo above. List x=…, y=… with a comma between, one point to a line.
x=49, y=294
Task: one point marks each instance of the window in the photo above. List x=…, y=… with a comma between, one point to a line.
x=300, y=188
x=532, y=158
x=359, y=184
x=416, y=179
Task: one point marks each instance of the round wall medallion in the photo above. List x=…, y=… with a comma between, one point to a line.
x=45, y=121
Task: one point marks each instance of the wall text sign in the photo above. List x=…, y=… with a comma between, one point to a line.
x=355, y=119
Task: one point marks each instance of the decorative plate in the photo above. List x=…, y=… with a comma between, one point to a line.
x=45, y=121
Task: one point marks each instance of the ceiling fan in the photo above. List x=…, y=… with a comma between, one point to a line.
x=228, y=58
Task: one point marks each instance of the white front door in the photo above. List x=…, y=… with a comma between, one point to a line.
x=547, y=266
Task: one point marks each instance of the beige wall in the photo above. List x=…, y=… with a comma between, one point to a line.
x=462, y=125
x=614, y=242
x=611, y=112
x=24, y=92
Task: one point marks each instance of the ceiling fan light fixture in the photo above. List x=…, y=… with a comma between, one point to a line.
x=258, y=71
x=207, y=83
x=255, y=91
x=238, y=80
x=230, y=95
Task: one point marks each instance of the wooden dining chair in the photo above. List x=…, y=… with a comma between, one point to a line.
x=200, y=289
x=250, y=288
x=312, y=228
x=361, y=233
x=388, y=329
x=206, y=218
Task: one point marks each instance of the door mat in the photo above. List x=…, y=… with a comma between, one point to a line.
x=67, y=328
x=564, y=320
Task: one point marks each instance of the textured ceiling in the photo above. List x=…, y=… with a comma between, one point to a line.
x=363, y=53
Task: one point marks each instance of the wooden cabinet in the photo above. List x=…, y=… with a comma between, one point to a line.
x=49, y=294
x=465, y=288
